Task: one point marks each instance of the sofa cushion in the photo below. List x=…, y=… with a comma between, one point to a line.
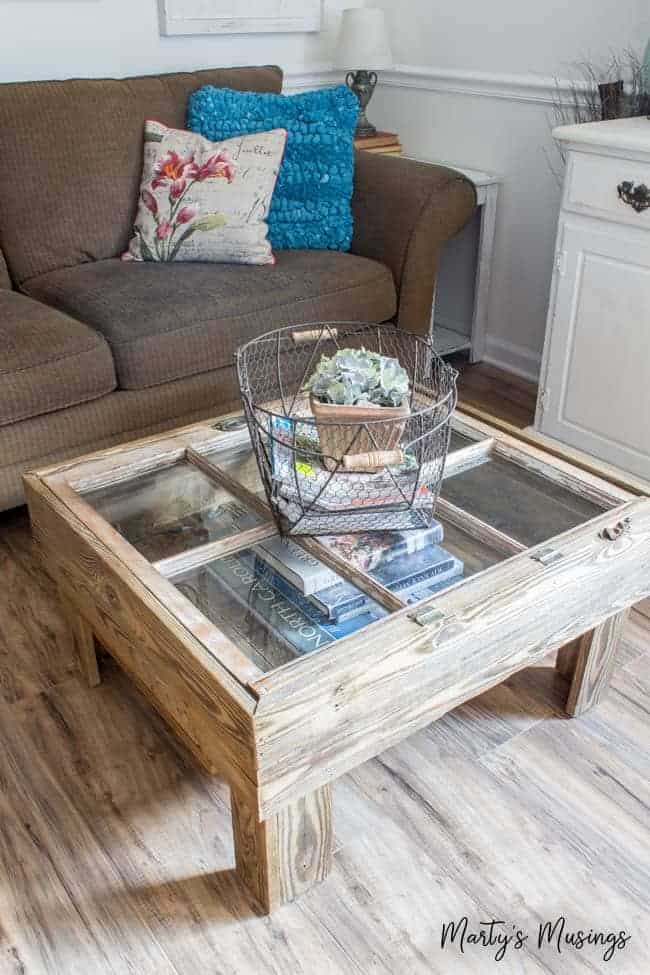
x=166, y=321
x=205, y=201
x=78, y=147
x=311, y=203
x=49, y=361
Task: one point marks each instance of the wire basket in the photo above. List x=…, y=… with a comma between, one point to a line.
x=332, y=469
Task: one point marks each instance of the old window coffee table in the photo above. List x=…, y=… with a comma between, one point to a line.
x=553, y=559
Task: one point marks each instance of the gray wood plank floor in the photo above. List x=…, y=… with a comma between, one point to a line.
x=116, y=852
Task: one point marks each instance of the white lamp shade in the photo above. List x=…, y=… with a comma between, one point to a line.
x=363, y=40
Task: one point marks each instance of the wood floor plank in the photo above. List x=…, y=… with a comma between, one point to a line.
x=36, y=651
x=503, y=395
x=62, y=843
x=116, y=852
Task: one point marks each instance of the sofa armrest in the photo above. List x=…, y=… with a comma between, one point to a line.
x=404, y=211
x=5, y=280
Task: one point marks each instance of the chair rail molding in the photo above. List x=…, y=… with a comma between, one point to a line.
x=317, y=76
x=535, y=89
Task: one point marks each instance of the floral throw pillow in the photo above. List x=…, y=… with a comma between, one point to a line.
x=205, y=201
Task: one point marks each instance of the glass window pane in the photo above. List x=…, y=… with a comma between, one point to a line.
x=414, y=565
x=527, y=506
x=458, y=441
x=240, y=464
x=474, y=554
x=170, y=510
x=269, y=618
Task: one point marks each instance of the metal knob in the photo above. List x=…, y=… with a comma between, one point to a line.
x=638, y=197
x=611, y=532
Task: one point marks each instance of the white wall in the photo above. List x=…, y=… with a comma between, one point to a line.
x=497, y=52
x=63, y=38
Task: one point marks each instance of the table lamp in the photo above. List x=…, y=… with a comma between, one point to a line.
x=363, y=48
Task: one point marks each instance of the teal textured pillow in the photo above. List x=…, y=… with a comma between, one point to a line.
x=311, y=206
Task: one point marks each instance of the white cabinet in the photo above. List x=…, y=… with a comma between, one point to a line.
x=595, y=385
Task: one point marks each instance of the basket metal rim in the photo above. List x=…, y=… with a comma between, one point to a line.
x=449, y=371
x=311, y=420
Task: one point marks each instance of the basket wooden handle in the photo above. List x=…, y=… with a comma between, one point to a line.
x=373, y=459
x=312, y=335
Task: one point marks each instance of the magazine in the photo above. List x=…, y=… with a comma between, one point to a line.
x=297, y=566
x=371, y=549
x=300, y=479
x=401, y=576
x=287, y=614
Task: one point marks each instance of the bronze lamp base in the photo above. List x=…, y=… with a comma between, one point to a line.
x=362, y=84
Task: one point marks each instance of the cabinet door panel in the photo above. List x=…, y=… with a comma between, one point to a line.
x=598, y=374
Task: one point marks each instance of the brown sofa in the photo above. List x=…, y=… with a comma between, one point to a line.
x=97, y=351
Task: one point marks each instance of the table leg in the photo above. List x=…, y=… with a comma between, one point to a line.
x=588, y=663
x=282, y=857
x=84, y=642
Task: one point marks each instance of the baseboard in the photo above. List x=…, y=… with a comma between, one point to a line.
x=513, y=358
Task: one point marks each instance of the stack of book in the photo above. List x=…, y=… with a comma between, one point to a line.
x=307, y=605
x=384, y=142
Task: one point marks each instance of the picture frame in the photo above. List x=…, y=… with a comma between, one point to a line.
x=200, y=17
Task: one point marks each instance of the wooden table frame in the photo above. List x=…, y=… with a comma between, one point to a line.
x=280, y=738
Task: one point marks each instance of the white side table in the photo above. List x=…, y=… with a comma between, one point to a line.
x=448, y=340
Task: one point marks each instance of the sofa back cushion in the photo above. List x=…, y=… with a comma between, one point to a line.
x=72, y=160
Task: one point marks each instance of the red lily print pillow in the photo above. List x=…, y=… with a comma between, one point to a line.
x=205, y=201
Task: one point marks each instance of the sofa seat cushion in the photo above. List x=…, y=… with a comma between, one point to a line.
x=168, y=321
x=49, y=361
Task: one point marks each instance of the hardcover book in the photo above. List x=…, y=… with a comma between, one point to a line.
x=401, y=576
x=423, y=592
x=298, y=567
x=286, y=613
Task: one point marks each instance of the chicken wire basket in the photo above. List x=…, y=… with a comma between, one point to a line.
x=357, y=470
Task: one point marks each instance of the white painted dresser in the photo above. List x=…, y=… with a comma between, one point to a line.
x=595, y=381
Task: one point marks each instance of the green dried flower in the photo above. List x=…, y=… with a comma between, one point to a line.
x=356, y=377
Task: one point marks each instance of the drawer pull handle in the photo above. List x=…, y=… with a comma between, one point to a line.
x=610, y=534
x=638, y=197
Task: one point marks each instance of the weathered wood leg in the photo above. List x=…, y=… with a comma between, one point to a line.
x=644, y=608
x=84, y=642
x=588, y=664
x=282, y=857
x=567, y=657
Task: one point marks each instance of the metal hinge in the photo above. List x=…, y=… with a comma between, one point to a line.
x=427, y=616
x=547, y=556
x=560, y=263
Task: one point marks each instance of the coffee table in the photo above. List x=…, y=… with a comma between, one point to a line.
x=142, y=539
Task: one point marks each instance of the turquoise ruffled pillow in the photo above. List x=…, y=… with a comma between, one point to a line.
x=311, y=206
